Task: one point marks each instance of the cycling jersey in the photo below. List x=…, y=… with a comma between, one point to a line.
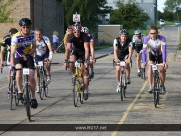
x=156, y=47
x=7, y=42
x=78, y=42
x=123, y=48
x=41, y=47
x=22, y=43
x=138, y=42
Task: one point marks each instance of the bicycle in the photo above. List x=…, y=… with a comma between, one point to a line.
x=26, y=91
x=13, y=91
x=77, y=78
x=42, y=74
x=114, y=64
x=60, y=47
x=156, y=83
x=123, y=84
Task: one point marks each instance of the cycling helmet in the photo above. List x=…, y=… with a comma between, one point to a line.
x=13, y=31
x=25, y=22
x=137, y=32
x=124, y=32
x=76, y=27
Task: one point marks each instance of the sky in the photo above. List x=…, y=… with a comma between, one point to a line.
x=161, y=5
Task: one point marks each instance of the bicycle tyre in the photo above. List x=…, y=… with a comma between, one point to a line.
x=144, y=77
x=121, y=88
x=75, y=93
x=124, y=88
x=11, y=93
x=41, y=85
x=113, y=63
x=16, y=94
x=131, y=63
x=27, y=99
x=46, y=91
x=81, y=97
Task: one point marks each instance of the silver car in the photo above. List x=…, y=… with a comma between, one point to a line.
x=177, y=23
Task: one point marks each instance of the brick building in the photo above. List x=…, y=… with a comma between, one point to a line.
x=45, y=14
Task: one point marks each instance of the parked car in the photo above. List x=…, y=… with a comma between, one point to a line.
x=177, y=23
x=162, y=22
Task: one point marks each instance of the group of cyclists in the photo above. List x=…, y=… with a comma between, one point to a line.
x=26, y=47
x=154, y=45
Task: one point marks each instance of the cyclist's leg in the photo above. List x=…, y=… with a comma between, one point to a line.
x=30, y=64
x=45, y=58
x=37, y=58
x=73, y=57
x=19, y=64
x=150, y=72
x=162, y=75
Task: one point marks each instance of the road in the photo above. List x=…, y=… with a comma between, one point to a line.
x=104, y=105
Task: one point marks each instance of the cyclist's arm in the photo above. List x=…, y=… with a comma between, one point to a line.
x=13, y=50
x=92, y=49
x=2, y=54
x=68, y=48
x=164, y=52
x=86, y=47
x=115, y=45
x=50, y=52
x=33, y=49
x=144, y=56
x=133, y=41
x=130, y=50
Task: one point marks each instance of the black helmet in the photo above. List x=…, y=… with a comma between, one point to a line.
x=25, y=22
x=13, y=31
x=124, y=32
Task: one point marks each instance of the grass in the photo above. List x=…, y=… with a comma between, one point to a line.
x=131, y=33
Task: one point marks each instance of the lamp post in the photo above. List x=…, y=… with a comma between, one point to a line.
x=155, y=12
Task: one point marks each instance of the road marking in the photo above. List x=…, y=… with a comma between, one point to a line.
x=128, y=109
x=3, y=87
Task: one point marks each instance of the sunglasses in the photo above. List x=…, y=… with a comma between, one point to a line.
x=76, y=31
x=27, y=27
x=152, y=33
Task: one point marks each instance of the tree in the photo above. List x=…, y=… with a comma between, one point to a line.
x=4, y=13
x=129, y=15
x=173, y=6
x=88, y=10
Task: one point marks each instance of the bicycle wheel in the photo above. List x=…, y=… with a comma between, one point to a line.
x=121, y=87
x=113, y=63
x=27, y=102
x=46, y=91
x=11, y=93
x=15, y=97
x=81, y=95
x=41, y=86
x=155, y=89
x=131, y=64
x=75, y=93
x=144, y=74
x=124, y=88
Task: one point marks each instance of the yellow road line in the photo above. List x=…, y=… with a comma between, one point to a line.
x=3, y=87
x=128, y=110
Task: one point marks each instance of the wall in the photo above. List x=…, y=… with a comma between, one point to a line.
x=108, y=32
x=21, y=9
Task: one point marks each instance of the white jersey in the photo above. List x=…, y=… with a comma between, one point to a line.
x=41, y=47
x=137, y=41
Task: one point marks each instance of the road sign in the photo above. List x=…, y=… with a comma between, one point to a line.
x=76, y=17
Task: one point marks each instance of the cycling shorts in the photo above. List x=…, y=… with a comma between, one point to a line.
x=79, y=54
x=138, y=48
x=122, y=57
x=25, y=64
x=40, y=58
x=153, y=58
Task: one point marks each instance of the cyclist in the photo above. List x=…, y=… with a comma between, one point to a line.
x=91, y=50
x=68, y=32
x=22, y=51
x=80, y=50
x=137, y=40
x=43, y=52
x=6, y=42
x=157, y=49
x=122, y=52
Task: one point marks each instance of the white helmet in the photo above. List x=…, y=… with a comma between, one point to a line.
x=137, y=32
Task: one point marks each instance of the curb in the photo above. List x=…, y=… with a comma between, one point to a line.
x=96, y=58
